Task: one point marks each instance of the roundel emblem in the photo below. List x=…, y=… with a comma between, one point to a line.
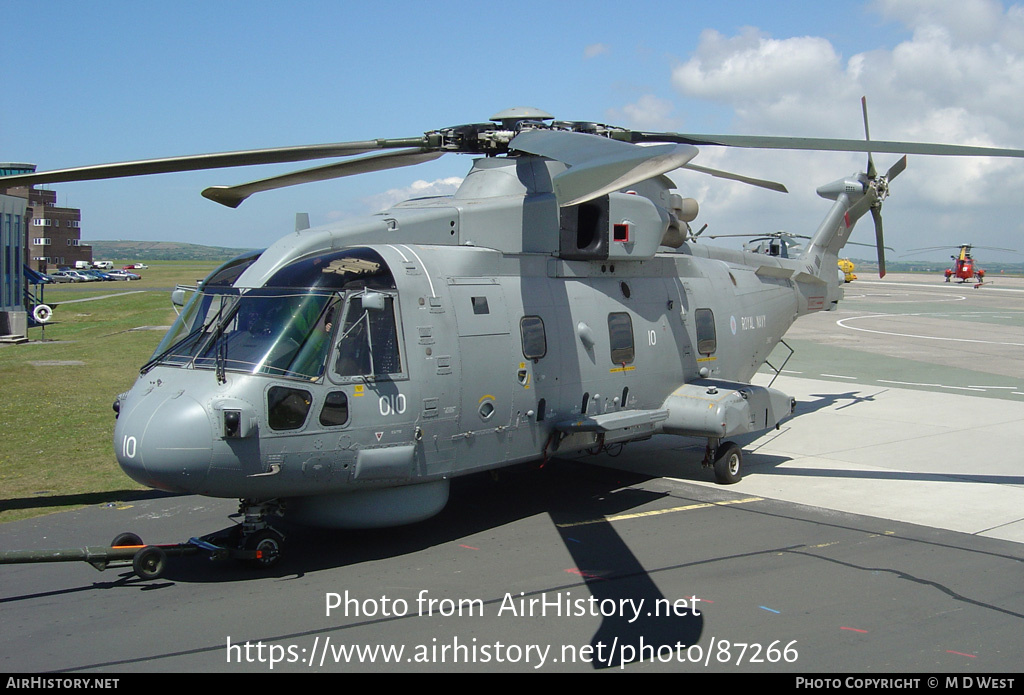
x=732, y=324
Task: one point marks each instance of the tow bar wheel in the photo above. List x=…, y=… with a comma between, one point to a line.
x=126, y=539
x=149, y=563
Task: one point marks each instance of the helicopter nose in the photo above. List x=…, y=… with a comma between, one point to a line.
x=165, y=443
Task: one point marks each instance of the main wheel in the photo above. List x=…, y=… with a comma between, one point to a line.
x=728, y=463
x=268, y=543
x=149, y=563
x=123, y=539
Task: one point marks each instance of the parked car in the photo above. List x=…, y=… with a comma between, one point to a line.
x=134, y=266
x=95, y=274
x=123, y=275
x=67, y=276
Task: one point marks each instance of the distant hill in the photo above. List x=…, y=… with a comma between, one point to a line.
x=894, y=266
x=160, y=251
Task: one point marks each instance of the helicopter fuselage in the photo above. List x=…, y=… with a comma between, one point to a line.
x=352, y=380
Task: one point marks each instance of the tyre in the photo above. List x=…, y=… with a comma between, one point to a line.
x=728, y=463
x=149, y=563
x=269, y=544
x=123, y=539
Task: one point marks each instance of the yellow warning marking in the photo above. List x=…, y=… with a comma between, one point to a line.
x=656, y=512
x=621, y=369
x=487, y=397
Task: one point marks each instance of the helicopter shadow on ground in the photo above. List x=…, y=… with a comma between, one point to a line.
x=567, y=489
x=625, y=590
x=46, y=501
x=576, y=497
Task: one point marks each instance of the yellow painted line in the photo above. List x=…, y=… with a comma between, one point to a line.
x=672, y=510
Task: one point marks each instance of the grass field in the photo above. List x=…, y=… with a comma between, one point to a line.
x=56, y=451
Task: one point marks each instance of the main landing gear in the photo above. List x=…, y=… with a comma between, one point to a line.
x=726, y=458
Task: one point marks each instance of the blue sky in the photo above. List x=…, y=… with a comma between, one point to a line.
x=112, y=81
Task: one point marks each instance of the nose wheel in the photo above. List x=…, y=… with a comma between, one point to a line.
x=267, y=545
x=257, y=537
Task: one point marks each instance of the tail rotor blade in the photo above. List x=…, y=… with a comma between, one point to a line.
x=896, y=168
x=876, y=214
x=867, y=137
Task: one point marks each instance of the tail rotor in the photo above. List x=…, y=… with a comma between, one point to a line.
x=880, y=186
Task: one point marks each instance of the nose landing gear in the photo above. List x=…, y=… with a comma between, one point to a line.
x=257, y=536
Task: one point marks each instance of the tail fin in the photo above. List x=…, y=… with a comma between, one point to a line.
x=854, y=196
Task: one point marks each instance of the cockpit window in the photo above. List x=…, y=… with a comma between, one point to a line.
x=345, y=300
x=348, y=269
x=368, y=338
x=193, y=327
x=278, y=333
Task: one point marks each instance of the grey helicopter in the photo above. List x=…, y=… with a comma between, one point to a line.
x=558, y=302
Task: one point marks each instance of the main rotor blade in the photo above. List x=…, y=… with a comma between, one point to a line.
x=604, y=175
x=232, y=196
x=216, y=160
x=929, y=248
x=717, y=173
x=598, y=165
x=770, y=142
x=570, y=148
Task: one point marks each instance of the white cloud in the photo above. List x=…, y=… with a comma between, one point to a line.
x=647, y=113
x=753, y=72
x=595, y=49
x=958, y=79
x=417, y=189
x=970, y=21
